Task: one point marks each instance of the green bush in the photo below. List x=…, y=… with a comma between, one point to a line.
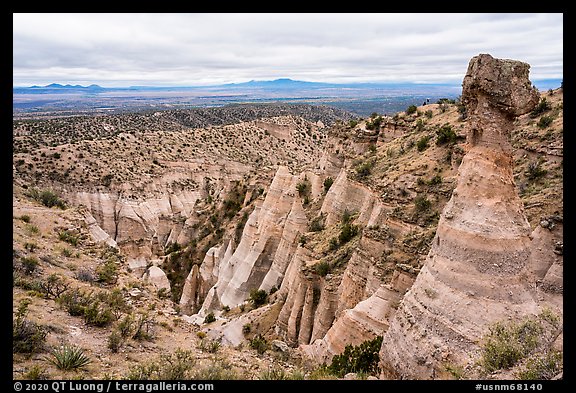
x=422, y=143
x=29, y=265
x=27, y=336
x=259, y=343
x=107, y=272
x=317, y=224
x=98, y=314
x=347, y=232
x=422, y=204
x=69, y=357
x=543, y=366
x=445, y=135
x=411, y=109
x=364, y=169
x=69, y=237
x=75, y=301
x=437, y=179
x=507, y=344
x=545, y=121
x=209, y=318
x=246, y=328
x=535, y=170
x=258, y=297
x=543, y=106
x=47, y=198
x=322, y=268
x=36, y=373
x=362, y=358
x=115, y=341
x=53, y=286
x=216, y=370
x=302, y=187
x=144, y=327
x=208, y=345
x=328, y=183
x=175, y=366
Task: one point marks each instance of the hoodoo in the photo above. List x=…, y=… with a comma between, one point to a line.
x=473, y=275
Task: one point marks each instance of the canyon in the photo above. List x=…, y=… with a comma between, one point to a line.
x=424, y=229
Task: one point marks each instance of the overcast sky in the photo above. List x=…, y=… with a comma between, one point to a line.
x=199, y=49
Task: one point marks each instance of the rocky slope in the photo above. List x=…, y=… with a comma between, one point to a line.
x=339, y=226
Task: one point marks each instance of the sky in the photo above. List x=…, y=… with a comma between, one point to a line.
x=118, y=50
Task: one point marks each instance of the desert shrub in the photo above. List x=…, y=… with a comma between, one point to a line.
x=545, y=121
x=217, y=369
x=208, y=345
x=535, y=170
x=317, y=224
x=246, y=328
x=27, y=336
x=347, y=232
x=422, y=143
x=86, y=275
x=115, y=341
x=445, y=135
x=75, y=301
x=98, y=314
x=322, y=268
x=209, y=318
x=328, y=183
x=259, y=343
x=429, y=113
x=47, y=198
x=543, y=106
x=69, y=237
x=352, y=123
x=258, y=297
x=374, y=123
x=36, y=373
x=29, y=265
x=66, y=252
x=69, y=357
x=144, y=325
x=364, y=169
x=437, y=179
x=125, y=326
x=172, y=247
x=274, y=373
x=302, y=187
x=32, y=229
x=507, y=344
x=107, y=272
x=359, y=358
x=542, y=366
x=419, y=125
x=411, y=109
x=175, y=366
x=25, y=218
x=422, y=204
x=53, y=286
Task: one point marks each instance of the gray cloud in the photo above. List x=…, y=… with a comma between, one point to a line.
x=191, y=49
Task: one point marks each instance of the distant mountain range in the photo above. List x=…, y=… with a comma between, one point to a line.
x=276, y=84
x=362, y=99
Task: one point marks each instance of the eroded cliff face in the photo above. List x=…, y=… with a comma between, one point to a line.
x=476, y=272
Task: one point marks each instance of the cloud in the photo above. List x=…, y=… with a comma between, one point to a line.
x=190, y=49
